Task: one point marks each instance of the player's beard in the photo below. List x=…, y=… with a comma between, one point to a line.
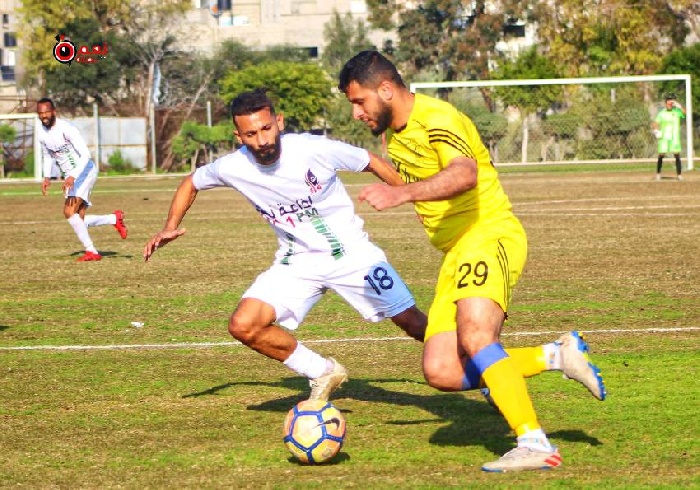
x=269, y=154
x=49, y=122
x=383, y=119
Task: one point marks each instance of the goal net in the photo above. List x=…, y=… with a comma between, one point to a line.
x=596, y=121
x=21, y=152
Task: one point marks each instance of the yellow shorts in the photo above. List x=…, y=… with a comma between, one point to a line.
x=486, y=263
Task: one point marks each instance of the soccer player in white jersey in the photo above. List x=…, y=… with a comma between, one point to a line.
x=63, y=145
x=292, y=182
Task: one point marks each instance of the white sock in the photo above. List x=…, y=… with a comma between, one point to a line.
x=81, y=230
x=535, y=439
x=306, y=362
x=552, y=354
x=100, y=219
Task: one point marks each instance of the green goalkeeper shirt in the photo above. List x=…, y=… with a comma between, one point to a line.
x=670, y=124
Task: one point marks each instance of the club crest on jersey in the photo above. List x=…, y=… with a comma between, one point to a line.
x=312, y=181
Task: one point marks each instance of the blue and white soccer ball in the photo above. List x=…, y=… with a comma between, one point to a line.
x=314, y=431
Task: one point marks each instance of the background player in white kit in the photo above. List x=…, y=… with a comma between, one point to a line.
x=63, y=144
x=291, y=181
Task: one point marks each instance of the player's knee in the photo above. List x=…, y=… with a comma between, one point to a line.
x=243, y=328
x=476, y=337
x=438, y=375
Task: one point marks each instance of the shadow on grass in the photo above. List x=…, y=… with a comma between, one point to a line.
x=4, y=327
x=469, y=422
x=106, y=254
x=341, y=457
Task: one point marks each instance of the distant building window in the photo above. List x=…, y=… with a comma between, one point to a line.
x=8, y=57
x=312, y=51
x=8, y=73
x=5, y=19
x=9, y=39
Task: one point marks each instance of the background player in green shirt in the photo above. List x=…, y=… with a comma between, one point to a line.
x=667, y=128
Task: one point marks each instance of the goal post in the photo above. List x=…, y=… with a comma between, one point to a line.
x=572, y=124
x=26, y=128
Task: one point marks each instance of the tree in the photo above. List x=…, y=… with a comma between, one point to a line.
x=343, y=40
x=195, y=139
x=612, y=37
x=282, y=52
x=528, y=99
x=38, y=23
x=150, y=25
x=77, y=86
x=343, y=127
x=683, y=61
x=458, y=39
x=302, y=90
x=613, y=129
x=7, y=137
x=529, y=65
x=191, y=79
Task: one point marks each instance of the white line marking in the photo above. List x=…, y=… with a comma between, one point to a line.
x=96, y=191
x=197, y=345
x=599, y=199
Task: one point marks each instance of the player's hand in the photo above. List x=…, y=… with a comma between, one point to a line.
x=45, y=184
x=68, y=184
x=160, y=240
x=382, y=196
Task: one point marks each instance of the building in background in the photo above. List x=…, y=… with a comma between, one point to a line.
x=9, y=96
x=256, y=23
x=262, y=23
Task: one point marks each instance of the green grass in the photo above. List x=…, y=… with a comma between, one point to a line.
x=611, y=254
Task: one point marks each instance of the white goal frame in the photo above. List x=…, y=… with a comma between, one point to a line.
x=38, y=170
x=584, y=81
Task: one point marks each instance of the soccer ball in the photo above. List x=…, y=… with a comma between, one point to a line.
x=314, y=431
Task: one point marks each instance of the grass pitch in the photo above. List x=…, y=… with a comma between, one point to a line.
x=89, y=401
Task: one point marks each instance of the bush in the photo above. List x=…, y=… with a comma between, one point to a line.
x=120, y=164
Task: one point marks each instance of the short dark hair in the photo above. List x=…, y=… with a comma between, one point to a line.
x=369, y=69
x=670, y=97
x=247, y=103
x=45, y=100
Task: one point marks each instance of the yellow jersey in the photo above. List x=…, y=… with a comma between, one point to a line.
x=436, y=133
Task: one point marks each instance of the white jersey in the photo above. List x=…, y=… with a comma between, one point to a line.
x=64, y=145
x=300, y=195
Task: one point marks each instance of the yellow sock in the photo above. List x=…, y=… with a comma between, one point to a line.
x=529, y=360
x=507, y=387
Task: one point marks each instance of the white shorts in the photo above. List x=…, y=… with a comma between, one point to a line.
x=82, y=187
x=363, y=278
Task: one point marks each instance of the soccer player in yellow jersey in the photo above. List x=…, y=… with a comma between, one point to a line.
x=457, y=194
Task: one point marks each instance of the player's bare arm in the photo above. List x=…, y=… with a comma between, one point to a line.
x=458, y=177
x=182, y=200
x=384, y=170
x=678, y=106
